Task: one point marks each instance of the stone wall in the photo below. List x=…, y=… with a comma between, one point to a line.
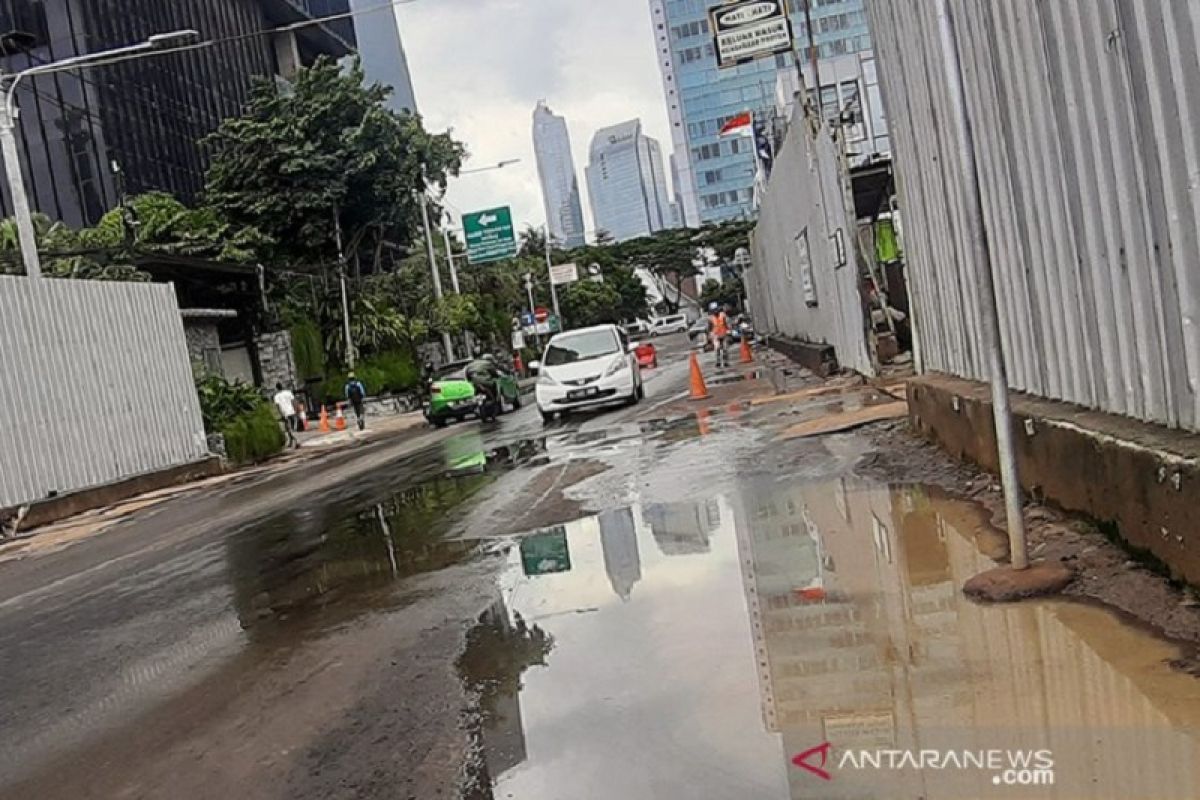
x=276, y=360
x=204, y=346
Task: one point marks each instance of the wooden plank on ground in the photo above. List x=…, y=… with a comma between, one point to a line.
x=846, y=420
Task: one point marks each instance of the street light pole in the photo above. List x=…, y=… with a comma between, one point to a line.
x=8, y=129
x=341, y=254
x=447, y=342
x=553, y=290
x=986, y=278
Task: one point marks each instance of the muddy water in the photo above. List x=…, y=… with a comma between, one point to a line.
x=699, y=649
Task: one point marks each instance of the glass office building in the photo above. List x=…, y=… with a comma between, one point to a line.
x=715, y=176
x=145, y=116
x=627, y=183
x=557, y=176
x=377, y=32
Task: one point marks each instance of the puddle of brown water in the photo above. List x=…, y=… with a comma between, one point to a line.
x=695, y=650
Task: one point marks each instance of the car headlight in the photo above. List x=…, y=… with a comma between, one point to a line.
x=619, y=363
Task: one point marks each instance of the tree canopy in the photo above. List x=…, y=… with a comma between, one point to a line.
x=326, y=147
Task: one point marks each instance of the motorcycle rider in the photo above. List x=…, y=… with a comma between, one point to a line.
x=484, y=373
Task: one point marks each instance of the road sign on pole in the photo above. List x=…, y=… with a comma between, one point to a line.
x=744, y=30
x=561, y=274
x=490, y=235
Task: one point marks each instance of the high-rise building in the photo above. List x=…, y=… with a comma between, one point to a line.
x=716, y=175
x=556, y=172
x=627, y=183
x=144, y=116
x=382, y=52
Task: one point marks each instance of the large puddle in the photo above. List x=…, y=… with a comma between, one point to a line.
x=797, y=641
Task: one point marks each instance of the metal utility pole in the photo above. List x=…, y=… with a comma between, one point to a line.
x=562, y=325
x=469, y=339
x=813, y=61
x=341, y=256
x=529, y=291
x=447, y=342
x=16, y=188
x=986, y=278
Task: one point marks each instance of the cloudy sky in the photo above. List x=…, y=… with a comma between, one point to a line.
x=480, y=66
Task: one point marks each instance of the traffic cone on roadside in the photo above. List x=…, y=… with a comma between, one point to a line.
x=323, y=426
x=702, y=422
x=303, y=418
x=698, y=390
x=747, y=355
x=339, y=422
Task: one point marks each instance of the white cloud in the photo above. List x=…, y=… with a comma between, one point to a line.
x=480, y=66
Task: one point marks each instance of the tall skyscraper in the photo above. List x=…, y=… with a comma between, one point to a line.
x=716, y=175
x=556, y=171
x=627, y=183
x=378, y=33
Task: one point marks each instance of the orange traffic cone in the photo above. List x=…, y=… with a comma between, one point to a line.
x=303, y=417
x=323, y=427
x=747, y=355
x=699, y=390
x=702, y=422
x=339, y=422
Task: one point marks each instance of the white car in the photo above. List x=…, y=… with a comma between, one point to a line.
x=587, y=367
x=672, y=323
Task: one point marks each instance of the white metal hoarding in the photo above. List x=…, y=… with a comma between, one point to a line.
x=750, y=29
x=97, y=386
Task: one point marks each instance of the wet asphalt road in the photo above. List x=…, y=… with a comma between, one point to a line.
x=641, y=603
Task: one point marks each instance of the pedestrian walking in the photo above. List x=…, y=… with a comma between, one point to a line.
x=285, y=401
x=718, y=326
x=356, y=393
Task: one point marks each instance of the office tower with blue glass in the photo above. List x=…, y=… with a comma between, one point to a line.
x=627, y=182
x=716, y=175
x=557, y=176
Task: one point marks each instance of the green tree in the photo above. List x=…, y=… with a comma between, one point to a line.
x=326, y=147
x=590, y=303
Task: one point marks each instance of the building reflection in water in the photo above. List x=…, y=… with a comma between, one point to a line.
x=683, y=528
x=618, y=541
x=863, y=639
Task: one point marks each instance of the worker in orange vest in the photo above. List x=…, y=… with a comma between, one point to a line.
x=718, y=328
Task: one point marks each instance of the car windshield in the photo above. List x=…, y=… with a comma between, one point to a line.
x=580, y=347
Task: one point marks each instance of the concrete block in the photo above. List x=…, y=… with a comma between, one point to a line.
x=1137, y=481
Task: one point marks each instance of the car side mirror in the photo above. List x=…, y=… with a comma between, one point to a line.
x=534, y=367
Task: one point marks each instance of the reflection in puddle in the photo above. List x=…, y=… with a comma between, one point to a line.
x=699, y=648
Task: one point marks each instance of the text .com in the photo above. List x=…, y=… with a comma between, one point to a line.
x=1007, y=767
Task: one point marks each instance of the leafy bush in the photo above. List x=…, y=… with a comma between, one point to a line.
x=308, y=349
x=221, y=402
x=255, y=436
x=248, y=422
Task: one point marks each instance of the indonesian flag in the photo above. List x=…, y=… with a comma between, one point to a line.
x=741, y=125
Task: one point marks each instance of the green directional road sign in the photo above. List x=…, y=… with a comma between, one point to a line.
x=490, y=235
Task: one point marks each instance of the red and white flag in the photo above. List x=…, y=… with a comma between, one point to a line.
x=741, y=125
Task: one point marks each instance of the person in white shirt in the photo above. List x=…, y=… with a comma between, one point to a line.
x=285, y=401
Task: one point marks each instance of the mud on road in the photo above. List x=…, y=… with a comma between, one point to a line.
x=672, y=600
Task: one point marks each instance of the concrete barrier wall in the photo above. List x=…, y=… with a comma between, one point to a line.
x=96, y=386
x=1084, y=120
x=804, y=207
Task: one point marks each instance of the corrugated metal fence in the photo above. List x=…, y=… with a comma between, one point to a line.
x=96, y=385
x=799, y=286
x=1085, y=117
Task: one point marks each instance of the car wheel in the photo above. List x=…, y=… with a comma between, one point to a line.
x=547, y=416
x=439, y=422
